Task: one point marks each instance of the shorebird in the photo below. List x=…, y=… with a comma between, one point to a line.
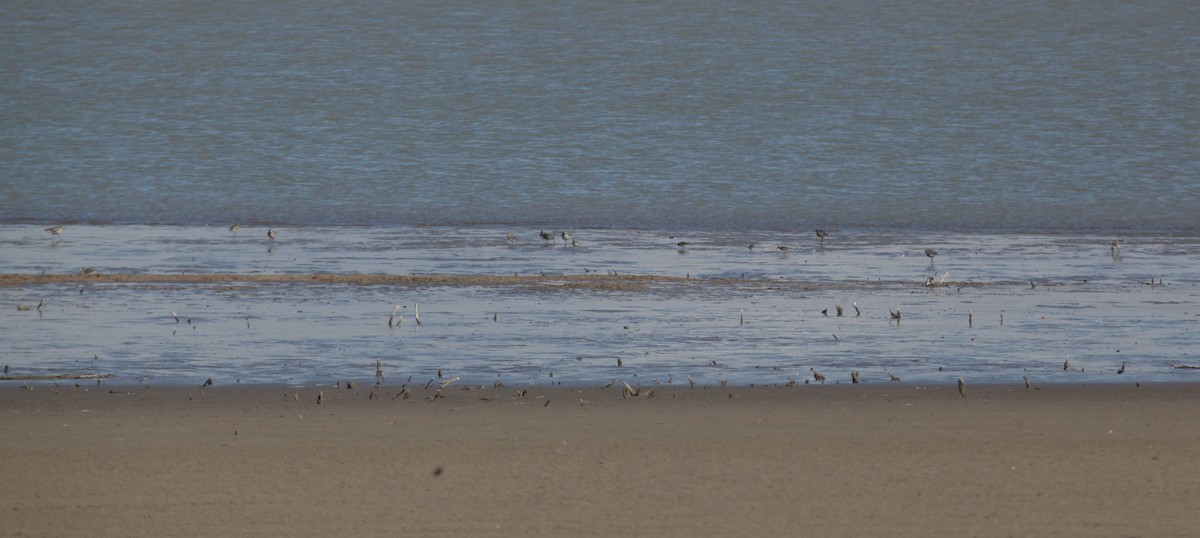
x=546, y=236
x=1116, y=246
x=272, y=234
x=895, y=313
x=417, y=313
x=855, y=378
x=682, y=244
x=821, y=234
x=574, y=243
x=566, y=237
x=817, y=375
x=962, y=388
x=783, y=248
x=931, y=253
x=750, y=246
x=1121, y=370
x=512, y=238
x=55, y=230
x=235, y=227
x=893, y=377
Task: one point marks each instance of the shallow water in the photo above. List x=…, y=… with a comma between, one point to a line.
x=744, y=316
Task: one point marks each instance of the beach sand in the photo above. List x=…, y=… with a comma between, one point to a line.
x=847, y=460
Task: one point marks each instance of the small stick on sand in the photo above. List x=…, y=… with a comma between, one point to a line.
x=628, y=391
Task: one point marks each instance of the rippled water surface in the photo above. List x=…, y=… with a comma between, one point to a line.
x=1023, y=115
x=740, y=315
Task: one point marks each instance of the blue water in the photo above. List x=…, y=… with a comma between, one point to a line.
x=1003, y=116
x=1017, y=138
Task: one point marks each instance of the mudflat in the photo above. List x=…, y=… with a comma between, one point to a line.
x=835, y=460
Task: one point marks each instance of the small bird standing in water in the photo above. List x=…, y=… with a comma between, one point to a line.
x=821, y=234
x=272, y=234
x=1115, y=248
x=546, y=236
x=566, y=237
x=512, y=238
x=55, y=230
x=235, y=227
x=931, y=253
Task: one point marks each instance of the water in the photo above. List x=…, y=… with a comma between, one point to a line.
x=1014, y=116
x=1018, y=139
x=1011, y=305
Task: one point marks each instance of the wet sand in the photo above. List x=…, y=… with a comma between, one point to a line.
x=884, y=459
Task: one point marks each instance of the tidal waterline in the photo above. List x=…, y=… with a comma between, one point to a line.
x=312, y=306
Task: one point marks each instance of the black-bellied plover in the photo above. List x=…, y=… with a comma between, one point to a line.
x=235, y=227
x=512, y=238
x=930, y=253
x=821, y=234
x=272, y=234
x=783, y=248
x=682, y=244
x=55, y=230
x=546, y=236
x=962, y=387
x=566, y=237
x=1115, y=247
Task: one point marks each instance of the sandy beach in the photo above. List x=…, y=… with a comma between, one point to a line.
x=866, y=460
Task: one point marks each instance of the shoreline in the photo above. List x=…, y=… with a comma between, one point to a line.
x=899, y=460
